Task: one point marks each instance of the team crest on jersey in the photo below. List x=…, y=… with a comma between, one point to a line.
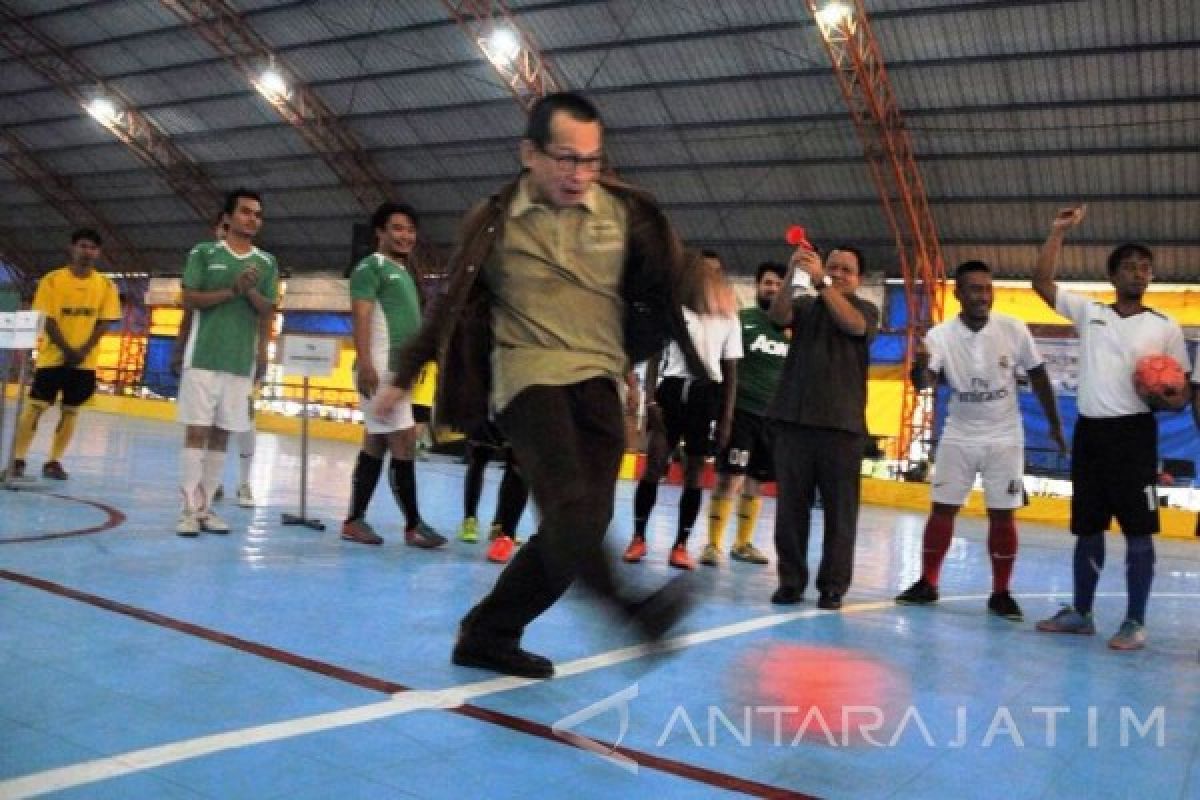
x=1005, y=363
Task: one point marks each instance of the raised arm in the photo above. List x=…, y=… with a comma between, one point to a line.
x=1047, y=265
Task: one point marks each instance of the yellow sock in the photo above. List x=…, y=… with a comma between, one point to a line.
x=27, y=425
x=64, y=431
x=748, y=510
x=719, y=509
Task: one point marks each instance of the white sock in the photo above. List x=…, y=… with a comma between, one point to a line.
x=191, y=475
x=246, y=440
x=214, y=465
x=245, y=464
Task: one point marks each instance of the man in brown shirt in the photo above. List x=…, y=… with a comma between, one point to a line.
x=555, y=285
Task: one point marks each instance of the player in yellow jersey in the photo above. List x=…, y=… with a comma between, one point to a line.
x=79, y=303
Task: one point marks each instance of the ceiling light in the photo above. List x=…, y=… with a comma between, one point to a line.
x=502, y=47
x=272, y=84
x=104, y=110
x=834, y=14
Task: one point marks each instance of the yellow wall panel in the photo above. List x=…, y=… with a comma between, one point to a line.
x=884, y=398
x=165, y=321
x=1024, y=304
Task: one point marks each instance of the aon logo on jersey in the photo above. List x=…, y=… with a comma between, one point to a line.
x=765, y=344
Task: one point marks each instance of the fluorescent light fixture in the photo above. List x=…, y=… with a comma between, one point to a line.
x=834, y=14
x=501, y=47
x=272, y=84
x=104, y=110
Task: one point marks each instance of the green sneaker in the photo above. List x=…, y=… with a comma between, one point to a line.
x=1130, y=636
x=1068, y=620
x=469, y=531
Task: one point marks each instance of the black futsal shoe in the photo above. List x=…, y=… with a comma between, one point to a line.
x=511, y=660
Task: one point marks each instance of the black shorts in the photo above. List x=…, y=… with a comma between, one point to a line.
x=691, y=418
x=421, y=414
x=76, y=385
x=1114, y=471
x=749, y=450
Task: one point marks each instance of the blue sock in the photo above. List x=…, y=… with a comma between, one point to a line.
x=1139, y=574
x=1089, y=560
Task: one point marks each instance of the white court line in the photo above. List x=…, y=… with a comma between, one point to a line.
x=54, y=780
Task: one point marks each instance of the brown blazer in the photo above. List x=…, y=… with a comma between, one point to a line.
x=458, y=334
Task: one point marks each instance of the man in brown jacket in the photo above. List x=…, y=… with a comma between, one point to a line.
x=558, y=285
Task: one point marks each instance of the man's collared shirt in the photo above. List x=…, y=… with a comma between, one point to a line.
x=556, y=285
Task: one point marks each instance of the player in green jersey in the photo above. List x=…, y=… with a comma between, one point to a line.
x=747, y=462
x=386, y=312
x=229, y=286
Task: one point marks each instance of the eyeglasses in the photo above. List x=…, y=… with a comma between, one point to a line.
x=569, y=163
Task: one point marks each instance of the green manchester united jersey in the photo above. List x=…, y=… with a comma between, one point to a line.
x=765, y=345
x=224, y=337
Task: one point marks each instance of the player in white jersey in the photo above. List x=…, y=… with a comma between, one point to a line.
x=977, y=354
x=1114, y=452
x=697, y=409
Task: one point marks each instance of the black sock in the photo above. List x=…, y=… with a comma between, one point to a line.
x=689, y=509
x=363, y=483
x=477, y=460
x=510, y=504
x=402, y=475
x=1088, y=561
x=1139, y=574
x=643, y=503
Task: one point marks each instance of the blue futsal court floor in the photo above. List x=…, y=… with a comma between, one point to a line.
x=280, y=662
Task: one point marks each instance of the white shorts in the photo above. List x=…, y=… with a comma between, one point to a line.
x=208, y=398
x=1001, y=465
x=399, y=420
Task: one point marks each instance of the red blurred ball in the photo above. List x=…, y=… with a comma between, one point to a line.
x=1160, y=381
x=842, y=689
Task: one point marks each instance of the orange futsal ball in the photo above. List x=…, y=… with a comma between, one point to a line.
x=1160, y=381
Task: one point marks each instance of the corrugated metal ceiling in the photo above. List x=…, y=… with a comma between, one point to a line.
x=728, y=111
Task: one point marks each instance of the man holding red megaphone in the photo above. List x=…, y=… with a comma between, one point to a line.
x=819, y=417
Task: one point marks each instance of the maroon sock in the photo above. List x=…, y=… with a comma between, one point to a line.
x=939, y=530
x=1002, y=547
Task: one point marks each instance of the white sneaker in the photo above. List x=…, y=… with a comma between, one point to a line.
x=245, y=497
x=188, y=525
x=211, y=523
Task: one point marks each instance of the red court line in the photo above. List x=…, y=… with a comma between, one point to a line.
x=680, y=769
x=115, y=518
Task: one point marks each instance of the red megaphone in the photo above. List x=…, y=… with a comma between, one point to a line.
x=797, y=238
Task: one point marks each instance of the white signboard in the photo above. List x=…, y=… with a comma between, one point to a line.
x=311, y=356
x=1062, y=363
x=19, y=329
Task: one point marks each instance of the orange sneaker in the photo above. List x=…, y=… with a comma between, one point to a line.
x=679, y=558
x=636, y=550
x=501, y=549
